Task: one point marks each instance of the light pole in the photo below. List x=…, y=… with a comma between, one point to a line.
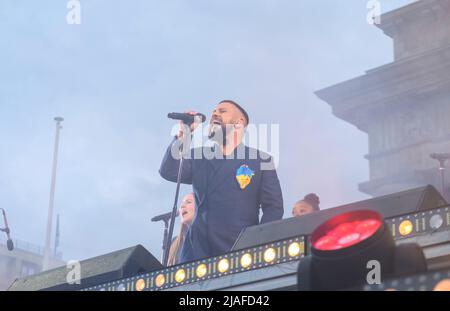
x=48, y=236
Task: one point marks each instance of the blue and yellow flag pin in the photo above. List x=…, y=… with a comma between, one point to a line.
x=244, y=175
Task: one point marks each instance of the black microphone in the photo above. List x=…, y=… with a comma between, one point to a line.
x=164, y=217
x=9, y=242
x=185, y=117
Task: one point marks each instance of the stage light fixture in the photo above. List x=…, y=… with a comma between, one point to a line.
x=223, y=265
x=270, y=255
x=443, y=285
x=246, y=260
x=201, y=270
x=140, y=285
x=160, y=280
x=294, y=249
x=436, y=221
x=260, y=256
x=405, y=227
x=342, y=247
x=180, y=275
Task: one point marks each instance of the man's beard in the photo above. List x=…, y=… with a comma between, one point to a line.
x=218, y=133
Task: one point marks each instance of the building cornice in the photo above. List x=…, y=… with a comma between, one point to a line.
x=407, y=81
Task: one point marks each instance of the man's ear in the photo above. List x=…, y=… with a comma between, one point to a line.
x=239, y=124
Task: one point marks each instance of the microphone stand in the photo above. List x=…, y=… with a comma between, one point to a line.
x=441, y=158
x=9, y=242
x=166, y=245
x=197, y=118
x=164, y=217
x=442, y=170
x=175, y=206
x=174, y=213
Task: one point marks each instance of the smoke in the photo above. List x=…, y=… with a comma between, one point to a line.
x=115, y=76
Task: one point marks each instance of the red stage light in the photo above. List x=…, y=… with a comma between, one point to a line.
x=326, y=243
x=337, y=234
x=367, y=228
x=342, y=246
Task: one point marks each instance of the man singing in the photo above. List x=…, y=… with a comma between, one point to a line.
x=230, y=188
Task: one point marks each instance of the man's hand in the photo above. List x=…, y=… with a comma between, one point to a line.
x=192, y=127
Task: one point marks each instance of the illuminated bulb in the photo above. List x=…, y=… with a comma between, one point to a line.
x=349, y=239
x=294, y=249
x=223, y=265
x=140, y=285
x=180, y=275
x=269, y=255
x=201, y=270
x=160, y=280
x=405, y=227
x=443, y=285
x=347, y=234
x=327, y=242
x=246, y=260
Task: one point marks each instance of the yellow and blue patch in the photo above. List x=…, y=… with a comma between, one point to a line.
x=244, y=175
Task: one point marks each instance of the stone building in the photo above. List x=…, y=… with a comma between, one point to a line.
x=403, y=106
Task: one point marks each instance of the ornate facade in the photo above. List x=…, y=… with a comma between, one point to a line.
x=403, y=106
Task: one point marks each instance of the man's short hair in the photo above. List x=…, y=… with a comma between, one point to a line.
x=247, y=120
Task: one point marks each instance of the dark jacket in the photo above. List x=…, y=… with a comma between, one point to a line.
x=224, y=208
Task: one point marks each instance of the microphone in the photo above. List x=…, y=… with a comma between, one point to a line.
x=186, y=118
x=164, y=217
x=9, y=242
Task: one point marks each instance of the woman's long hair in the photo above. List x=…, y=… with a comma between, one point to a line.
x=175, y=246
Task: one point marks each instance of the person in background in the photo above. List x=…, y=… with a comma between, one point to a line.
x=309, y=204
x=187, y=214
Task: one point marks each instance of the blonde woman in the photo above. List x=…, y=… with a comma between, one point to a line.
x=187, y=214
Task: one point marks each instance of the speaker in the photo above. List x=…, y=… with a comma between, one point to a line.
x=388, y=206
x=93, y=271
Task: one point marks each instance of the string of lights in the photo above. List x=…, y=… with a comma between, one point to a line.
x=235, y=262
x=420, y=222
x=292, y=249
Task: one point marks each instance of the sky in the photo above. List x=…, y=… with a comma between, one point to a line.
x=116, y=75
